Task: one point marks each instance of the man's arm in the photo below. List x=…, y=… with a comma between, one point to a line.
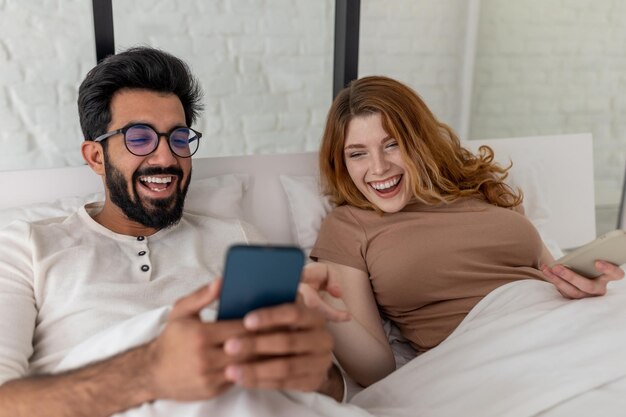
x=186, y=362
x=100, y=389
x=284, y=347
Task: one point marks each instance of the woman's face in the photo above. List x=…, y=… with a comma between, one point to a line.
x=375, y=164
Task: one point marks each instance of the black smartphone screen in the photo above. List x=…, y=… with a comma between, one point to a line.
x=259, y=276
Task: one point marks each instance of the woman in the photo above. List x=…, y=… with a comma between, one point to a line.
x=423, y=229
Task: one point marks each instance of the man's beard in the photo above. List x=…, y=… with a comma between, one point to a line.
x=162, y=213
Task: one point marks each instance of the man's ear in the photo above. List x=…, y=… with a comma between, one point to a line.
x=93, y=154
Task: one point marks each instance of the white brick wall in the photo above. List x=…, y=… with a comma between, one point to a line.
x=266, y=67
x=420, y=43
x=44, y=51
x=555, y=66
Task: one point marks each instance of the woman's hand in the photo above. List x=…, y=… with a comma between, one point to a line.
x=315, y=280
x=574, y=286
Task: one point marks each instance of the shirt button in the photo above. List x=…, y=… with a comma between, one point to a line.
x=142, y=253
x=140, y=238
x=145, y=268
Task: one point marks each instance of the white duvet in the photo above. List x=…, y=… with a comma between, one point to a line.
x=523, y=351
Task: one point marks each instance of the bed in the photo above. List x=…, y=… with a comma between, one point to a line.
x=523, y=351
x=268, y=190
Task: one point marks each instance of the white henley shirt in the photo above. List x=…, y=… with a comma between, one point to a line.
x=63, y=280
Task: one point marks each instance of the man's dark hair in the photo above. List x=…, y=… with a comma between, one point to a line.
x=136, y=68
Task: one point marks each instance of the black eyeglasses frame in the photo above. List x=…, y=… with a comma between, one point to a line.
x=167, y=135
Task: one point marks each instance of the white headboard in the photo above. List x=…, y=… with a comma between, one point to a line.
x=564, y=163
x=563, y=166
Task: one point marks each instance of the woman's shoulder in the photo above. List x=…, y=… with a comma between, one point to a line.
x=473, y=203
x=350, y=214
x=345, y=218
x=341, y=210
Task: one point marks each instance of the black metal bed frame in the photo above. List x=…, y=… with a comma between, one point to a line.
x=621, y=214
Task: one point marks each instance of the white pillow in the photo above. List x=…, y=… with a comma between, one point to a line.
x=62, y=207
x=527, y=178
x=308, y=207
x=218, y=196
x=536, y=200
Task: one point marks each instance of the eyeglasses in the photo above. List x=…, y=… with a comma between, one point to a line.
x=142, y=140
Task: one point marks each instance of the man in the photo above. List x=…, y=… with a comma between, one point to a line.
x=64, y=280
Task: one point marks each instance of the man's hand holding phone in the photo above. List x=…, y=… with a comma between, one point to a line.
x=286, y=344
x=285, y=347
x=187, y=361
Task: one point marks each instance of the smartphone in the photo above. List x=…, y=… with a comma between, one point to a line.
x=258, y=276
x=610, y=247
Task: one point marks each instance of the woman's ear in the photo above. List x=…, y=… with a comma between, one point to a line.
x=93, y=154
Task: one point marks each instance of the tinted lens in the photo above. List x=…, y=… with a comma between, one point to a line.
x=184, y=142
x=141, y=139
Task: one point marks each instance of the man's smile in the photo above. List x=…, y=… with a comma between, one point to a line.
x=156, y=183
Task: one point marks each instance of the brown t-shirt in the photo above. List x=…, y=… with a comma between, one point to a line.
x=430, y=265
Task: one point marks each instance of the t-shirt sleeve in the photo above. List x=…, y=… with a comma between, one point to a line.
x=17, y=301
x=341, y=240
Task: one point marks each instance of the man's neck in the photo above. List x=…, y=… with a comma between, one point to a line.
x=115, y=220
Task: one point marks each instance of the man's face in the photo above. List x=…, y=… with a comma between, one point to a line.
x=151, y=189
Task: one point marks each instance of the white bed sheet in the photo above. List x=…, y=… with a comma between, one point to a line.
x=523, y=351
x=235, y=402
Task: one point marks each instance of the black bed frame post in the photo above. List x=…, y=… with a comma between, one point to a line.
x=621, y=216
x=346, y=55
x=103, y=28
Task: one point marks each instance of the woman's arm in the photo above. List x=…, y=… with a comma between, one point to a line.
x=361, y=345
